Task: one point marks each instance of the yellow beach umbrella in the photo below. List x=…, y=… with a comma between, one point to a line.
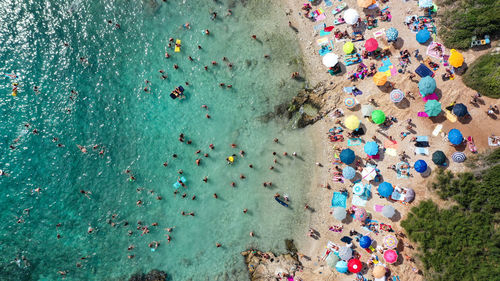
x=351, y=122
x=365, y=3
x=348, y=47
x=380, y=78
x=456, y=59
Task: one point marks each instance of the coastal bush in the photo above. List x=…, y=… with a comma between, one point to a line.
x=484, y=75
x=461, y=242
x=462, y=19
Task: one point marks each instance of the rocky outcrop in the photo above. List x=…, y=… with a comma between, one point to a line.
x=153, y=275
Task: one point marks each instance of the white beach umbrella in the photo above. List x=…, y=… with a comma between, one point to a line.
x=388, y=211
x=369, y=173
x=339, y=213
x=351, y=16
x=330, y=60
x=367, y=109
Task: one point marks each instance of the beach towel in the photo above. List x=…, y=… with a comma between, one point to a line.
x=432, y=96
x=422, y=114
x=346, y=239
x=451, y=117
x=391, y=144
x=378, y=208
x=421, y=151
x=379, y=33
x=423, y=138
x=358, y=201
x=396, y=195
x=320, y=17
x=391, y=152
x=322, y=41
x=324, y=33
x=339, y=199
x=320, y=26
x=354, y=142
x=437, y=130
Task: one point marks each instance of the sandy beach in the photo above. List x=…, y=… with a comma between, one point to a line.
x=320, y=218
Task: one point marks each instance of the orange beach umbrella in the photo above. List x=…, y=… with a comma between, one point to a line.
x=380, y=78
x=365, y=3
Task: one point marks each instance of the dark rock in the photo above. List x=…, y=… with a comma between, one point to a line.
x=153, y=275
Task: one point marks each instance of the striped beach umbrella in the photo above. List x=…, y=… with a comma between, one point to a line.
x=397, y=95
x=350, y=102
x=348, y=172
x=351, y=122
x=378, y=116
x=458, y=157
x=391, y=34
x=390, y=241
x=358, y=188
x=432, y=108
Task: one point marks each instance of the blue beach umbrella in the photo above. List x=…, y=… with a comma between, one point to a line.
x=455, y=137
x=420, y=166
x=341, y=266
x=392, y=34
x=365, y=242
x=347, y=156
x=423, y=36
x=460, y=110
x=458, y=157
x=371, y=148
x=348, y=172
x=385, y=189
x=426, y=86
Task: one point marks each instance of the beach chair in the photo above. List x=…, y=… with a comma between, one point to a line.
x=339, y=8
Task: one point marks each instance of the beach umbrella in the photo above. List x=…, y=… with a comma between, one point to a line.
x=351, y=16
x=341, y=266
x=365, y=3
x=420, y=166
x=390, y=256
x=458, y=157
x=371, y=45
x=332, y=260
x=425, y=3
x=380, y=78
x=432, y=108
x=351, y=122
x=330, y=59
x=397, y=95
x=345, y=253
x=369, y=173
x=350, y=102
x=391, y=34
x=460, y=110
x=339, y=213
x=360, y=214
x=367, y=109
x=379, y=271
x=348, y=47
x=426, y=86
x=409, y=195
x=354, y=265
x=390, y=241
x=348, y=173
x=455, y=137
x=378, y=116
x=456, y=59
x=388, y=211
x=423, y=36
x=347, y=156
x=365, y=242
x=371, y=148
x=438, y=157
x=385, y=189
x=358, y=188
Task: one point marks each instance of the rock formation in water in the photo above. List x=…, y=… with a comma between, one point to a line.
x=153, y=275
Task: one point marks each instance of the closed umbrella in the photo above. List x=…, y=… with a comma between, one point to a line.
x=388, y=211
x=339, y=213
x=369, y=173
x=365, y=3
x=330, y=59
x=378, y=116
x=423, y=36
x=354, y=265
x=351, y=16
x=350, y=102
x=455, y=137
x=371, y=148
x=332, y=260
x=391, y=34
x=420, y=166
x=365, y=242
x=360, y=214
x=390, y=241
x=456, y=59
x=348, y=172
x=341, y=266
x=347, y=156
x=390, y=256
x=371, y=45
x=409, y=195
x=351, y=122
x=460, y=110
x=426, y=85
x=397, y=95
x=348, y=47
x=385, y=189
x=380, y=78
x=438, y=157
x=432, y=108
x=458, y=157
x=345, y=253
x=367, y=109
x=425, y=3
x=379, y=271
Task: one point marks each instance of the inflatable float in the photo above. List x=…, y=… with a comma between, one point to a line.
x=281, y=201
x=177, y=184
x=177, y=46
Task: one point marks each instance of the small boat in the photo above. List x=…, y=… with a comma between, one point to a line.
x=471, y=144
x=281, y=201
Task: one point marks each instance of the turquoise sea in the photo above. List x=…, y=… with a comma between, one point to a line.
x=44, y=170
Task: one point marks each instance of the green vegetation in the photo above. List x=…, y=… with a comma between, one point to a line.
x=461, y=242
x=484, y=75
x=462, y=19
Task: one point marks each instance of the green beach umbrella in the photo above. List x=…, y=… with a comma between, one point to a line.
x=432, y=108
x=378, y=116
x=348, y=47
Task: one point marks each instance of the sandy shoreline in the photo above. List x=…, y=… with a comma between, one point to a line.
x=320, y=198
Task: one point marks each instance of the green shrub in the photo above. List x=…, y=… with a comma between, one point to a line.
x=484, y=75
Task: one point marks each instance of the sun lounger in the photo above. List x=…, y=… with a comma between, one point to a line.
x=337, y=21
x=339, y=8
x=450, y=116
x=421, y=151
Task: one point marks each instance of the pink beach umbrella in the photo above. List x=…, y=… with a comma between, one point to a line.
x=390, y=256
x=371, y=45
x=360, y=214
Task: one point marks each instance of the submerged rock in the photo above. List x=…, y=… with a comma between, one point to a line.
x=153, y=275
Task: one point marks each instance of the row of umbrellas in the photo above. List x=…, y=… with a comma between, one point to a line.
x=439, y=158
x=355, y=266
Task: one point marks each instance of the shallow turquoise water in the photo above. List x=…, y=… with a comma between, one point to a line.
x=139, y=131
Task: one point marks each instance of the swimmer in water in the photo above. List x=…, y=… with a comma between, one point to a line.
x=82, y=148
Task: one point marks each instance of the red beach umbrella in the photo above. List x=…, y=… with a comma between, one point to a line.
x=371, y=45
x=354, y=265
